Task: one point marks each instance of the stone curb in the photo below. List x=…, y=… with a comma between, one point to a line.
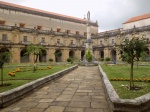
x=11, y=96
x=116, y=104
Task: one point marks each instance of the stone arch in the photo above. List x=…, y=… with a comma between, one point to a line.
x=58, y=55
x=24, y=58
x=42, y=57
x=113, y=55
x=5, y=50
x=71, y=54
x=101, y=53
x=82, y=54
x=148, y=54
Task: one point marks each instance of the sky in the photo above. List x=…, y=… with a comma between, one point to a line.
x=110, y=14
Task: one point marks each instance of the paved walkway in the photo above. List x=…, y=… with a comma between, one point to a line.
x=79, y=91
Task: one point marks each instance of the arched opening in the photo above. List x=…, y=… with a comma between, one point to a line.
x=101, y=53
x=82, y=54
x=113, y=55
x=5, y=50
x=24, y=58
x=147, y=51
x=58, y=55
x=71, y=54
x=42, y=57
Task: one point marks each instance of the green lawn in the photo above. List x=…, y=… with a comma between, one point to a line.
x=27, y=76
x=124, y=72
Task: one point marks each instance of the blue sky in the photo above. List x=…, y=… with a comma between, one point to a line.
x=110, y=14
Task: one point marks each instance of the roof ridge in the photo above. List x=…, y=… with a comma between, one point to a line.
x=136, y=18
x=41, y=11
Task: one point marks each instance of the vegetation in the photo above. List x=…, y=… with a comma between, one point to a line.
x=4, y=56
x=107, y=59
x=122, y=72
x=36, y=51
x=70, y=60
x=88, y=55
x=50, y=60
x=131, y=51
x=26, y=75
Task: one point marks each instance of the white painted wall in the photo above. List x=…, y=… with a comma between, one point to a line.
x=140, y=23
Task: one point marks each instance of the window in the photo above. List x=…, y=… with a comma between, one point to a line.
x=82, y=42
x=39, y=27
x=4, y=37
x=101, y=42
x=71, y=42
x=85, y=33
x=22, y=25
x=68, y=31
x=2, y=22
x=43, y=40
x=113, y=42
x=58, y=41
x=25, y=39
x=77, y=32
x=58, y=29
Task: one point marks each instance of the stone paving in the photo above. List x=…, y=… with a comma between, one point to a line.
x=78, y=91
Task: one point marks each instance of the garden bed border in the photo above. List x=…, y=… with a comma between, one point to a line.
x=11, y=96
x=116, y=104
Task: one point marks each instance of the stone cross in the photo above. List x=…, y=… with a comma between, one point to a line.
x=88, y=15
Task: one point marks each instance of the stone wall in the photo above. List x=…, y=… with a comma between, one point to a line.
x=116, y=104
x=11, y=96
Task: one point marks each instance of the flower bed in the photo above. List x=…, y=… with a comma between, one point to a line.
x=128, y=79
x=24, y=69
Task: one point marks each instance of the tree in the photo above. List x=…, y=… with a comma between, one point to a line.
x=36, y=51
x=4, y=56
x=131, y=51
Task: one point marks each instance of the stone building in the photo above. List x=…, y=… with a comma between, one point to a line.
x=21, y=26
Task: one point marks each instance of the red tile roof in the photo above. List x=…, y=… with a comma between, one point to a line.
x=137, y=18
x=41, y=11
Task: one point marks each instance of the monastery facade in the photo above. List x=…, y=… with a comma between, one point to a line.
x=21, y=26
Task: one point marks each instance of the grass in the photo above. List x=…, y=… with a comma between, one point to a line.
x=124, y=72
x=27, y=76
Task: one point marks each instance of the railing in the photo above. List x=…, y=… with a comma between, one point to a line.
x=59, y=44
x=72, y=45
x=25, y=42
x=5, y=41
x=43, y=43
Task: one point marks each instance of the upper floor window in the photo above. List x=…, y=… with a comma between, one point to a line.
x=112, y=41
x=4, y=37
x=2, y=22
x=100, y=42
x=43, y=40
x=71, y=42
x=68, y=31
x=77, y=32
x=85, y=33
x=39, y=27
x=24, y=38
x=82, y=42
x=58, y=29
x=58, y=41
x=21, y=25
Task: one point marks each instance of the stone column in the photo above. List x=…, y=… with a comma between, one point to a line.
x=106, y=52
x=15, y=55
x=65, y=55
x=78, y=54
x=51, y=54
